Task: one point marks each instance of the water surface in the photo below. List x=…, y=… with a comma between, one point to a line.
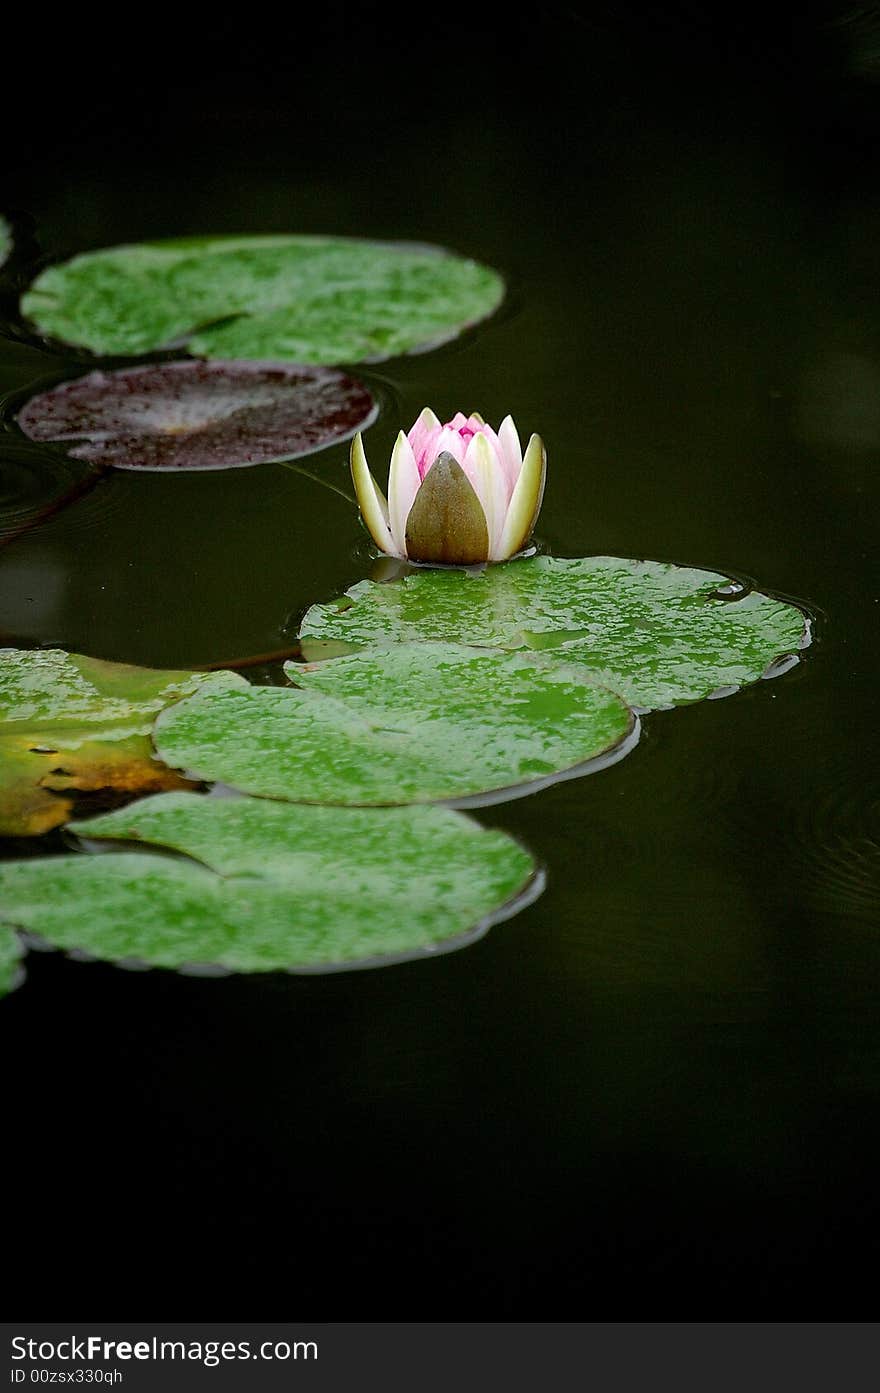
x=656, y=1089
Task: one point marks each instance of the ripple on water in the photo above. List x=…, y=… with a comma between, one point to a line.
x=39, y=483
x=835, y=840
x=825, y=838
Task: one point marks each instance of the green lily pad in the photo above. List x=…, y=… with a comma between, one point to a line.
x=269, y=886
x=11, y=953
x=659, y=634
x=409, y=724
x=73, y=724
x=300, y=299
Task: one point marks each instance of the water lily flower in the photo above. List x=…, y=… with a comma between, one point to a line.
x=458, y=493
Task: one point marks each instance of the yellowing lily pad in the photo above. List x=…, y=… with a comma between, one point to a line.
x=189, y=415
x=73, y=724
x=298, y=299
x=408, y=724
x=656, y=633
x=258, y=886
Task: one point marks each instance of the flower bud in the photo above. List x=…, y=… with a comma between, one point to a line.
x=458, y=494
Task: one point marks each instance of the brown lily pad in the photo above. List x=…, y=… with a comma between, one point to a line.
x=191, y=415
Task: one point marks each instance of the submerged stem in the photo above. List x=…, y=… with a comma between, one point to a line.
x=307, y=474
x=278, y=655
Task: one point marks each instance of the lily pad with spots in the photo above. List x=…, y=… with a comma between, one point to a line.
x=73, y=724
x=657, y=633
x=299, y=299
x=256, y=886
x=190, y=415
x=409, y=724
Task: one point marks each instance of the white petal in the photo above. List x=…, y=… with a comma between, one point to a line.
x=483, y=468
x=371, y=500
x=403, y=485
x=525, y=505
x=511, y=452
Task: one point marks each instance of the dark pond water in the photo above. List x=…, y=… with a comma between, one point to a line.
x=655, y=1091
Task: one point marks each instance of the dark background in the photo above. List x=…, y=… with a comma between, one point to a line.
x=654, y=1093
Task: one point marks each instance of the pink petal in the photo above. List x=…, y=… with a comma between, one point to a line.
x=447, y=439
x=458, y=420
x=421, y=437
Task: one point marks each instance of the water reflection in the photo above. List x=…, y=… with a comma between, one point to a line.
x=32, y=591
x=838, y=404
